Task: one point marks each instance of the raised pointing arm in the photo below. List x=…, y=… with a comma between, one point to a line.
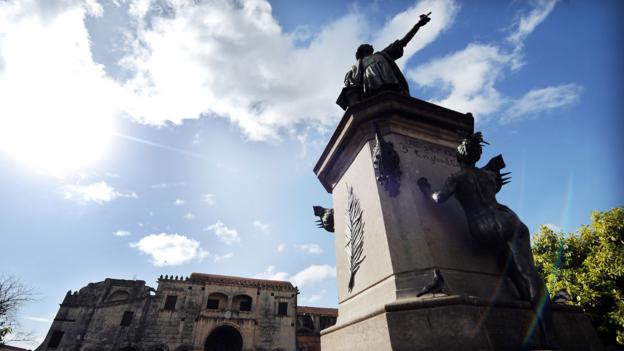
x=423, y=20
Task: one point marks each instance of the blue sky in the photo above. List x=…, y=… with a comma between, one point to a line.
x=144, y=137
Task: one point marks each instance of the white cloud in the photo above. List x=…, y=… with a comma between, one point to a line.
x=313, y=274
x=281, y=247
x=170, y=249
x=167, y=185
x=232, y=59
x=122, y=233
x=540, y=100
x=99, y=192
x=225, y=234
x=309, y=276
x=525, y=26
x=218, y=258
x=196, y=139
x=466, y=80
x=39, y=319
x=267, y=81
x=271, y=274
x=312, y=298
x=309, y=248
x=189, y=216
x=443, y=14
x=29, y=344
x=93, y=7
x=263, y=227
x=555, y=228
x=263, y=81
x=209, y=199
x=179, y=202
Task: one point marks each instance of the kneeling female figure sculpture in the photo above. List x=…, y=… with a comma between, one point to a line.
x=494, y=225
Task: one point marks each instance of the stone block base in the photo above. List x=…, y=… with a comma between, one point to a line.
x=457, y=323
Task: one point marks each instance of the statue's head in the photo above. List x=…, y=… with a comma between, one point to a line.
x=363, y=51
x=469, y=151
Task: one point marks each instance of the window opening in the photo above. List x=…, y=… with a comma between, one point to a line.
x=213, y=304
x=245, y=305
x=55, y=340
x=170, y=302
x=282, y=309
x=126, y=320
x=326, y=321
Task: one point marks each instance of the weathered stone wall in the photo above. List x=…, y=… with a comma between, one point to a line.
x=191, y=322
x=91, y=318
x=310, y=322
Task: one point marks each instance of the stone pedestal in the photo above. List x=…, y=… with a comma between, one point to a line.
x=405, y=237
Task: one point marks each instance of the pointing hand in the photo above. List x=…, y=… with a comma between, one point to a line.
x=424, y=19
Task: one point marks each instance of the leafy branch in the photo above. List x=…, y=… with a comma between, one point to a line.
x=354, y=235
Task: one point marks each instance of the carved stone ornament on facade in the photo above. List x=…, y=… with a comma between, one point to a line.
x=354, y=235
x=386, y=162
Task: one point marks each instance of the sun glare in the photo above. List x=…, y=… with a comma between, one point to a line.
x=56, y=145
x=57, y=107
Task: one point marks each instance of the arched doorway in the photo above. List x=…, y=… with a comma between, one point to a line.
x=224, y=338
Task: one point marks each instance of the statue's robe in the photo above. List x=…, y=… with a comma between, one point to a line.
x=373, y=74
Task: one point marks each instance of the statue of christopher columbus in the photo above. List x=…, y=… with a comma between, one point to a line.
x=375, y=72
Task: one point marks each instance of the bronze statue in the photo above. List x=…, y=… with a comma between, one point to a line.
x=495, y=225
x=325, y=218
x=375, y=72
x=387, y=163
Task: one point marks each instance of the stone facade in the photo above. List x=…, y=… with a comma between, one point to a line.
x=200, y=312
x=310, y=322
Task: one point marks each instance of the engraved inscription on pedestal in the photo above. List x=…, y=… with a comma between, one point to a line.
x=431, y=153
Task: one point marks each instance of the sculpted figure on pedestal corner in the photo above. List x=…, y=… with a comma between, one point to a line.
x=494, y=225
x=375, y=72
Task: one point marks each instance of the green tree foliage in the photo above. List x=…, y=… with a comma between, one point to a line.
x=589, y=265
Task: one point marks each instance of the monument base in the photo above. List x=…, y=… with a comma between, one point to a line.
x=458, y=323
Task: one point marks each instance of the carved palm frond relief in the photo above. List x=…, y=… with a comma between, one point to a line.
x=354, y=235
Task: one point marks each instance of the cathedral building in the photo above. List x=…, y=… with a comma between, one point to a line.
x=200, y=312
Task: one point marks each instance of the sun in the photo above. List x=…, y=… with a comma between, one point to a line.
x=57, y=104
x=56, y=145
